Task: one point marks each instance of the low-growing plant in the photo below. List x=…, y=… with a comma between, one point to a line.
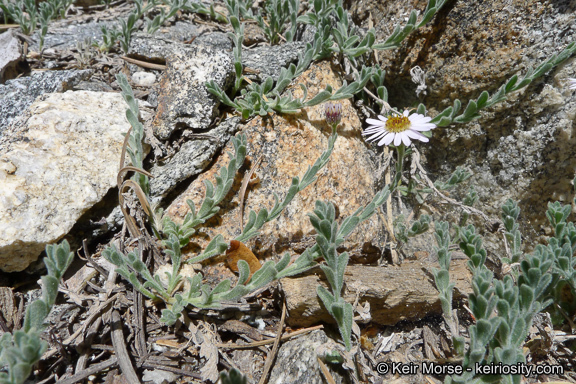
x=264, y=98
x=419, y=226
x=504, y=309
x=45, y=14
x=278, y=12
x=109, y=38
x=241, y=9
x=202, y=295
x=85, y=52
x=20, y=350
x=198, y=7
x=450, y=114
x=177, y=236
x=329, y=237
x=347, y=38
x=23, y=12
x=129, y=25
x=233, y=376
x=28, y=15
x=237, y=38
x=458, y=176
x=442, y=275
x=174, y=6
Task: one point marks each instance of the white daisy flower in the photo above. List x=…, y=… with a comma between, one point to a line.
x=572, y=83
x=398, y=129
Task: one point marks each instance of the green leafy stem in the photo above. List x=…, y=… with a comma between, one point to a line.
x=24, y=348
x=450, y=115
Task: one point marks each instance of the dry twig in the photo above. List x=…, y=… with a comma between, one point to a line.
x=96, y=368
x=325, y=371
x=269, y=341
x=243, y=188
x=121, y=351
x=416, y=159
x=143, y=64
x=272, y=356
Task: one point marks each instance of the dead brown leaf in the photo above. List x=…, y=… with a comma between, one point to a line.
x=238, y=251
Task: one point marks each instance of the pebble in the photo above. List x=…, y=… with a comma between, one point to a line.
x=144, y=79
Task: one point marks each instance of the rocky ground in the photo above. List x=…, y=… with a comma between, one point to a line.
x=62, y=121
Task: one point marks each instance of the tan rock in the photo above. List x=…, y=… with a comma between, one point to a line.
x=288, y=146
x=395, y=293
x=55, y=163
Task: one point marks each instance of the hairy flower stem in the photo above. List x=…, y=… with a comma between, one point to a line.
x=401, y=152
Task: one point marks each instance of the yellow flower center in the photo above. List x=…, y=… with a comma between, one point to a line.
x=397, y=124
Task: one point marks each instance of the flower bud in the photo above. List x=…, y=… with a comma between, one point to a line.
x=333, y=113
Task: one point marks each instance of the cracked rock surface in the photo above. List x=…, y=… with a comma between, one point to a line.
x=57, y=162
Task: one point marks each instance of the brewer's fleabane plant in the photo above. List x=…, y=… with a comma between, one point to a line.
x=278, y=12
x=458, y=176
x=175, y=6
x=23, y=12
x=28, y=15
x=572, y=83
x=176, y=236
x=419, y=226
x=333, y=114
x=504, y=309
x=136, y=135
x=398, y=129
x=22, y=349
x=241, y=9
x=442, y=275
x=329, y=237
x=256, y=221
x=510, y=213
x=450, y=115
x=265, y=98
x=200, y=8
x=233, y=376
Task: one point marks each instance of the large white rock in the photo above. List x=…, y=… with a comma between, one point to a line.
x=56, y=162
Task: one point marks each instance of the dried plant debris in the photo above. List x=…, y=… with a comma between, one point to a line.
x=162, y=300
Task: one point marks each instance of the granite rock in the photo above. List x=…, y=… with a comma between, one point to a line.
x=183, y=101
x=158, y=47
x=297, y=361
x=192, y=158
x=288, y=145
x=523, y=148
x=16, y=95
x=10, y=55
x=64, y=34
x=144, y=79
x=269, y=60
x=56, y=162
